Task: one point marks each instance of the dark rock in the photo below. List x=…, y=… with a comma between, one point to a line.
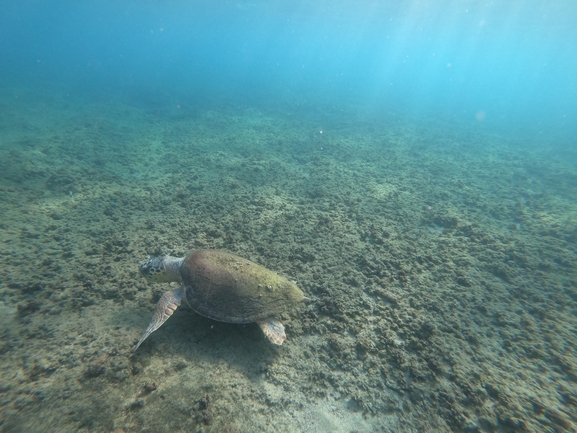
x=136, y=368
x=150, y=386
x=27, y=307
x=137, y=404
x=95, y=370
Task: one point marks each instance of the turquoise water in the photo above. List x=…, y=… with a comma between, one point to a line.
x=505, y=63
x=411, y=166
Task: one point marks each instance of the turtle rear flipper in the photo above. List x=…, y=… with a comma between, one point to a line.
x=273, y=329
x=167, y=304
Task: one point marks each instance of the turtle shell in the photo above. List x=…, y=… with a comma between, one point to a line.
x=228, y=288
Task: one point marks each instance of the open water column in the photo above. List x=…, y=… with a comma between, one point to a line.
x=406, y=169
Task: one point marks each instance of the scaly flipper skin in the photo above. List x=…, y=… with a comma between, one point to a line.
x=273, y=330
x=167, y=304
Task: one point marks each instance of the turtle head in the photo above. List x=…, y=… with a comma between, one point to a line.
x=162, y=269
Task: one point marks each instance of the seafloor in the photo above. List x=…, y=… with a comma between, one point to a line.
x=440, y=257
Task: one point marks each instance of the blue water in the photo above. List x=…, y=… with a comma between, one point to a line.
x=506, y=63
x=410, y=164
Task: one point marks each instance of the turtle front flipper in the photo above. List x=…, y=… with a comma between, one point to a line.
x=167, y=304
x=273, y=329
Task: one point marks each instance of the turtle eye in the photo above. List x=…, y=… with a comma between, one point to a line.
x=145, y=268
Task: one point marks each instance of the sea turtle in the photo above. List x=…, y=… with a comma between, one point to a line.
x=223, y=287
